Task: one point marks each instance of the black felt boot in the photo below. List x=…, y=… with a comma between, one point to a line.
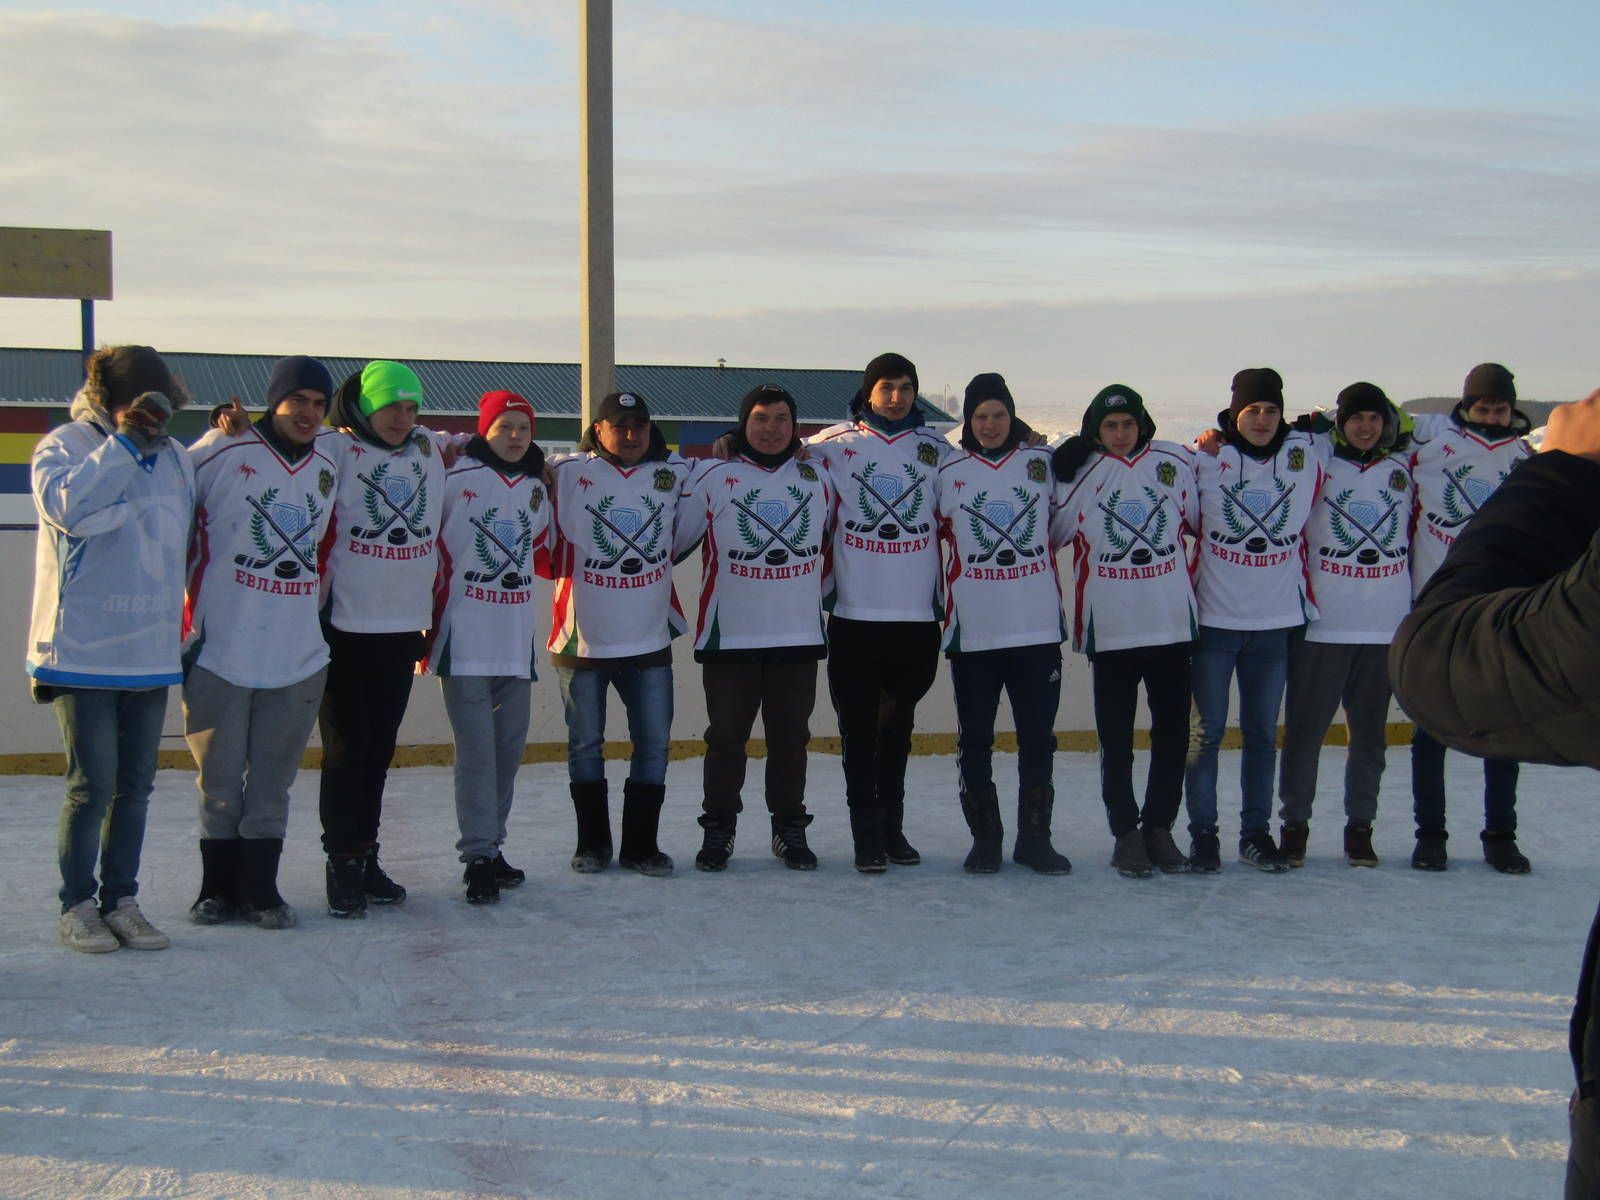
x=1033, y=848
x=593, y=811
x=641, y=818
x=866, y=829
x=219, y=882
x=981, y=807
x=259, y=901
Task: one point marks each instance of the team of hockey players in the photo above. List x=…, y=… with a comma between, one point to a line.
x=304, y=567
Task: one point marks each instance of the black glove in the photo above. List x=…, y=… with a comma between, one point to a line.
x=144, y=422
x=1070, y=456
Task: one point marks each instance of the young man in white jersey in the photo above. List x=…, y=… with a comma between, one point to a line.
x=115, y=499
x=614, y=615
x=883, y=631
x=256, y=660
x=764, y=518
x=1000, y=525
x=378, y=558
x=1256, y=494
x=1129, y=502
x=496, y=517
x=1358, y=545
x=1458, y=460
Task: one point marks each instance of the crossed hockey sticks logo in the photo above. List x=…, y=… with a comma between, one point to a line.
x=628, y=542
x=287, y=543
x=1005, y=533
x=512, y=558
x=397, y=512
x=1367, y=534
x=1261, y=522
x=891, y=508
x=1138, y=531
x=774, y=534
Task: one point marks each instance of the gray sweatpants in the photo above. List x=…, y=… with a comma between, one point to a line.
x=1322, y=675
x=248, y=743
x=489, y=716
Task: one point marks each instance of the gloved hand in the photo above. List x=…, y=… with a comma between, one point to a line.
x=144, y=422
x=1070, y=457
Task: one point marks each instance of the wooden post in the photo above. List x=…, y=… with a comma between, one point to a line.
x=599, y=272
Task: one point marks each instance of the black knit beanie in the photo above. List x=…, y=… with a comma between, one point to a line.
x=1489, y=381
x=1118, y=398
x=1359, y=398
x=1256, y=385
x=887, y=366
x=296, y=373
x=989, y=386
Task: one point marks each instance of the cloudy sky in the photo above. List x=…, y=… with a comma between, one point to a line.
x=1154, y=193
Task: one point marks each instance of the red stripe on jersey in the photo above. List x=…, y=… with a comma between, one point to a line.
x=199, y=559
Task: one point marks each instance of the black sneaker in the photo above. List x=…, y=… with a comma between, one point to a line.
x=716, y=848
x=1358, y=851
x=380, y=889
x=1205, y=854
x=866, y=829
x=1430, y=852
x=480, y=881
x=1500, y=852
x=1261, y=852
x=346, y=896
x=507, y=876
x=1292, y=842
x=789, y=842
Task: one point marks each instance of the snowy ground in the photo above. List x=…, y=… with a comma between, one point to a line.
x=771, y=1033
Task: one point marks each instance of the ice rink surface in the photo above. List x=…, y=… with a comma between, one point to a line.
x=770, y=1033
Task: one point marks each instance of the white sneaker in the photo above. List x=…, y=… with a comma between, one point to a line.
x=131, y=928
x=83, y=928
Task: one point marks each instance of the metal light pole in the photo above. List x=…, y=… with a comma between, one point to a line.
x=599, y=274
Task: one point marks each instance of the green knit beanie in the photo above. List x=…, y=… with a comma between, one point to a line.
x=384, y=383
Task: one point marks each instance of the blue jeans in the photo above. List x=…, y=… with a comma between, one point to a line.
x=112, y=737
x=1261, y=658
x=646, y=694
x=1427, y=788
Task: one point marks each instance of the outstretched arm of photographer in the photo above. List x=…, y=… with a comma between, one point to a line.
x=1499, y=657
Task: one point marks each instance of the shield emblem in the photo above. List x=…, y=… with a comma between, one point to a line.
x=290, y=519
x=1000, y=512
x=1132, y=510
x=397, y=489
x=1477, y=490
x=506, y=531
x=1366, y=512
x=889, y=487
x=1256, y=500
x=628, y=520
x=771, y=511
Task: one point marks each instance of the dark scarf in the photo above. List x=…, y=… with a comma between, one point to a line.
x=531, y=463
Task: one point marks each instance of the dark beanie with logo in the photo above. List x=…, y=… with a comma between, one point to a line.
x=1117, y=398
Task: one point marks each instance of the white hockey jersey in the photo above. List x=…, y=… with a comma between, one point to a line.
x=1000, y=524
x=611, y=556
x=885, y=559
x=494, y=533
x=379, y=555
x=1455, y=471
x=1358, y=548
x=1126, y=518
x=108, y=570
x=762, y=563
x=254, y=587
x=1249, y=556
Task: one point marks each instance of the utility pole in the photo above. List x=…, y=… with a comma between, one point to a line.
x=595, y=196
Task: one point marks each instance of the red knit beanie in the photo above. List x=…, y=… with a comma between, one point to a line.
x=494, y=404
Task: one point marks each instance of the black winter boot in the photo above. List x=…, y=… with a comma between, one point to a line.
x=346, y=895
x=716, y=847
x=866, y=828
x=219, y=882
x=1205, y=853
x=1033, y=848
x=259, y=901
x=789, y=841
x=641, y=818
x=1500, y=852
x=1292, y=839
x=982, y=810
x=1430, y=854
x=593, y=811
x=379, y=887
x=895, y=847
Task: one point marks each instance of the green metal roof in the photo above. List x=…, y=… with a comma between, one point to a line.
x=454, y=385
